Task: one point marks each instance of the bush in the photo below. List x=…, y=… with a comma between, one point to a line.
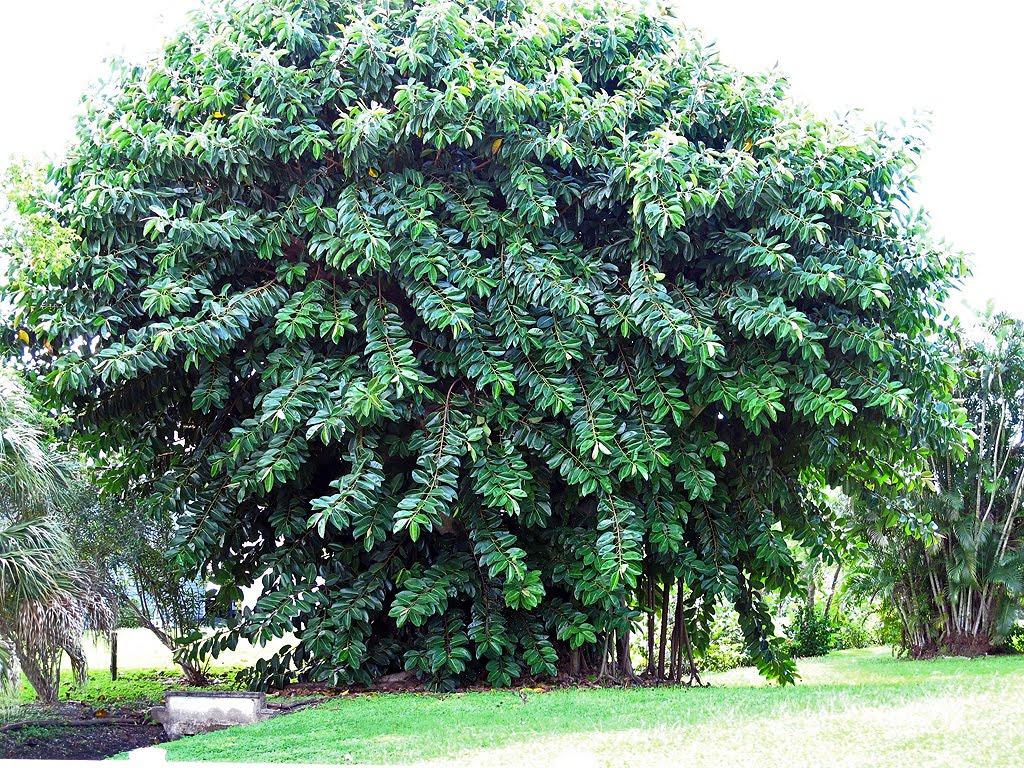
x=854, y=629
x=445, y=323
x=810, y=633
x=1014, y=640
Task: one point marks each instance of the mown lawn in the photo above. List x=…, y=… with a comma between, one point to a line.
x=853, y=708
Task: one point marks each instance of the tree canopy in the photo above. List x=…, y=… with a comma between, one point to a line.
x=473, y=329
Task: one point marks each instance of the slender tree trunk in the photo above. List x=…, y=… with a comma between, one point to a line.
x=664, y=631
x=812, y=585
x=832, y=590
x=603, y=671
x=694, y=676
x=649, y=672
x=193, y=673
x=113, y=655
x=677, y=634
x=626, y=672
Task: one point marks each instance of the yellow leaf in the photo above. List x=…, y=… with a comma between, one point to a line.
x=219, y=115
x=496, y=145
x=23, y=335
x=748, y=145
x=374, y=173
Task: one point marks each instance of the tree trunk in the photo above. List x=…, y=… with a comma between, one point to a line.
x=664, y=632
x=113, y=656
x=574, y=662
x=832, y=590
x=56, y=677
x=603, y=671
x=677, y=636
x=812, y=585
x=626, y=672
x=650, y=671
x=193, y=673
x=694, y=676
x=12, y=674
x=38, y=668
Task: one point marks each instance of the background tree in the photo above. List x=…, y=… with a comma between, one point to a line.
x=476, y=331
x=959, y=589
x=131, y=549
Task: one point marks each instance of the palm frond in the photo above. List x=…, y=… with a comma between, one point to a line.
x=33, y=476
x=36, y=561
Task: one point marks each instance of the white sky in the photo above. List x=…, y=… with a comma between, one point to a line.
x=962, y=62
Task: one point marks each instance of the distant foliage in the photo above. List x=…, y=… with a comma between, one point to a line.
x=130, y=549
x=1014, y=639
x=726, y=647
x=472, y=331
x=810, y=633
x=854, y=629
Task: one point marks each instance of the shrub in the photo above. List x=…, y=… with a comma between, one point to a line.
x=1014, y=640
x=854, y=629
x=810, y=633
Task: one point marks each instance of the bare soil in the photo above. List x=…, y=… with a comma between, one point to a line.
x=75, y=731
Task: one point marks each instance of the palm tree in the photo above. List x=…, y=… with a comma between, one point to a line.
x=47, y=598
x=960, y=590
x=892, y=572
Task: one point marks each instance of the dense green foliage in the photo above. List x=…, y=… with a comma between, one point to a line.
x=1014, y=639
x=856, y=626
x=960, y=588
x=726, y=648
x=474, y=330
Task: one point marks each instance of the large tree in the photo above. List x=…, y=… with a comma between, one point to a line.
x=476, y=330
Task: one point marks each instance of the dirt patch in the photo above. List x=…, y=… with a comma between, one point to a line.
x=75, y=731
x=61, y=743
x=953, y=645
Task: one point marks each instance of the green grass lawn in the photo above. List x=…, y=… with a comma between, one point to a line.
x=853, y=708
